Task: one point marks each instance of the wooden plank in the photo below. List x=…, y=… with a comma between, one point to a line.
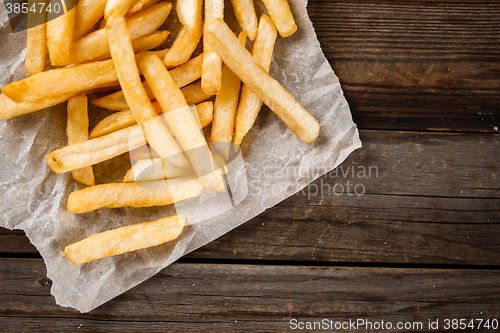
x=433, y=199
x=15, y=241
x=417, y=65
x=254, y=298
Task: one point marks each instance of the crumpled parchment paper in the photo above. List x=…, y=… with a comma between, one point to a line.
x=277, y=165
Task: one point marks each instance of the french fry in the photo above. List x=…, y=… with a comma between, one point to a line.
x=182, y=49
x=150, y=41
x=188, y=72
x=95, y=151
x=226, y=103
x=154, y=169
x=112, y=123
x=139, y=25
x=61, y=81
x=189, y=13
x=78, y=131
x=182, y=76
x=10, y=109
x=124, y=119
x=282, y=16
x=36, y=42
x=142, y=5
x=117, y=6
x=245, y=13
x=116, y=122
x=194, y=94
x=60, y=32
x=141, y=55
x=125, y=239
x=117, y=102
x=145, y=194
x=88, y=13
x=270, y=91
x=138, y=6
x=145, y=43
x=250, y=103
x=205, y=113
x=212, y=63
x=181, y=121
x=128, y=74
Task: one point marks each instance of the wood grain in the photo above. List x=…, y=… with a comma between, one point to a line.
x=432, y=199
x=415, y=65
x=255, y=298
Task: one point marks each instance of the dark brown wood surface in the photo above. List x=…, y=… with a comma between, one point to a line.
x=423, y=241
x=415, y=65
x=223, y=298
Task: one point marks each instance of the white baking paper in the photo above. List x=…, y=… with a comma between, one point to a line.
x=277, y=165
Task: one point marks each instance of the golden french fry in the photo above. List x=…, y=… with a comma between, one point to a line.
x=212, y=63
x=138, y=6
x=194, y=94
x=117, y=6
x=139, y=56
x=282, y=16
x=61, y=81
x=116, y=122
x=112, y=123
x=225, y=106
x=144, y=43
x=139, y=25
x=125, y=239
x=117, y=101
x=245, y=13
x=78, y=131
x=182, y=76
x=140, y=22
x=189, y=13
x=188, y=72
x=224, y=112
x=95, y=151
x=205, y=113
x=142, y=5
x=181, y=121
x=88, y=13
x=10, y=109
x=250, y=103
x=154, y=169
x=145, y=194
x=150, y=41
x=124, y=119
x=270, y=91
x=182, y=49
x=36, y=42
x=60, y=32
x=128, y=74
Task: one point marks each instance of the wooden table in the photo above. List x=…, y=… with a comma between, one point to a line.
x=423, y=242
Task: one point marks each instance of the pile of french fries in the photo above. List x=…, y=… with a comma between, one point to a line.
x=104, y=45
